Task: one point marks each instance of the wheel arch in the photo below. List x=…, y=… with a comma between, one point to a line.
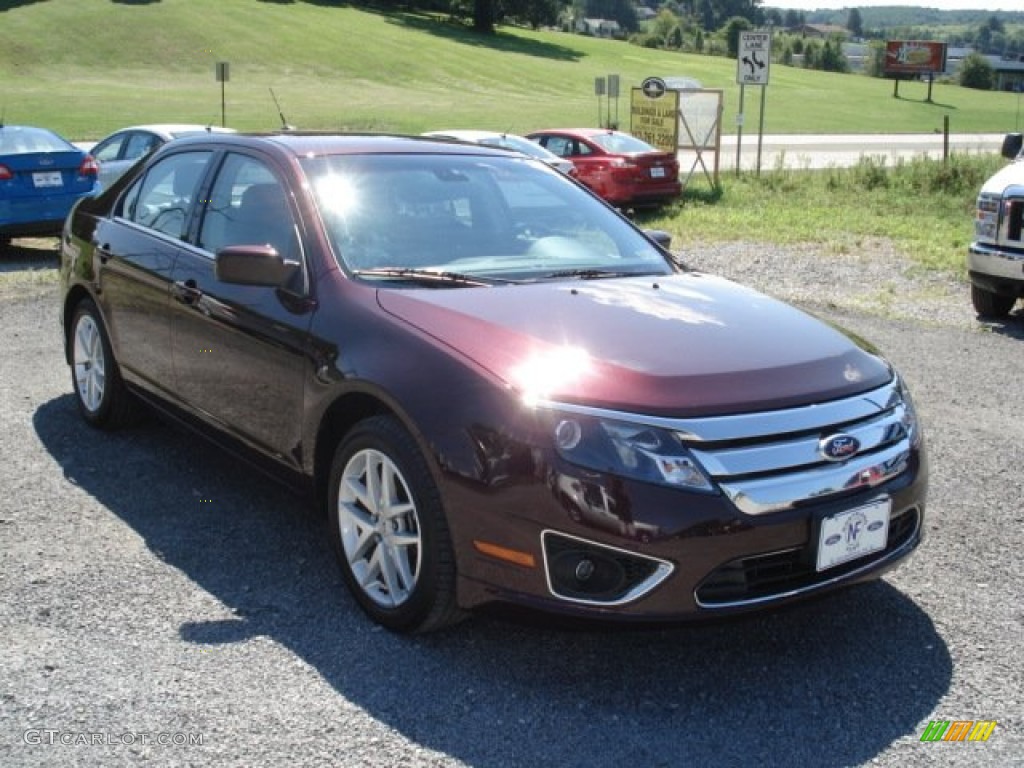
x=347, y=410
x=75, y=296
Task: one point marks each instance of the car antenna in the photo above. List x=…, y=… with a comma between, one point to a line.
x=284, y=123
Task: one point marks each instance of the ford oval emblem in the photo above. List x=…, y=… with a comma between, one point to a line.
x=838, y=447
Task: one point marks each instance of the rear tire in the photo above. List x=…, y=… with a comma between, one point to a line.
x=102, y=398
x=988, y=304
x=389, y=531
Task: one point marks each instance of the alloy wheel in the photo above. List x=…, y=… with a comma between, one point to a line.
x=89, y=363
x=379, y=528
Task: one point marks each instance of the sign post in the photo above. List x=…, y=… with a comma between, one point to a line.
x=613, y=93
x=753, y=60
x=222, y=77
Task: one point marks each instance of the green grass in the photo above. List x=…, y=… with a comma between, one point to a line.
x=924, y=206
x=87, y=67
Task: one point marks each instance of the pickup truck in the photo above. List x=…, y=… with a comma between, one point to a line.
x=995, y=260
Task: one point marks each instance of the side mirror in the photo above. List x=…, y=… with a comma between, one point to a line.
x=253, y=265
x=660, y=238
x=1012, y=145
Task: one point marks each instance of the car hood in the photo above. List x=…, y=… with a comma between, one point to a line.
x=687, y=344
x=1010, y=175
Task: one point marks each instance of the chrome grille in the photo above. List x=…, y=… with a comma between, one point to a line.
x=767, y=462
x=1013, y=213
x=1008, y=232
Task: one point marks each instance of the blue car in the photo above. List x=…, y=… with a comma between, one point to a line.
x=41, y=177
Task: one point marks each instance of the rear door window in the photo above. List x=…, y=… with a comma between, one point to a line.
x=163, y=199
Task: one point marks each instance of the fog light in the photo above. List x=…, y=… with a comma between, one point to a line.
x=584, y=570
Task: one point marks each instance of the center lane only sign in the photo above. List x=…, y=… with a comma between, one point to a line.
x=753, y=58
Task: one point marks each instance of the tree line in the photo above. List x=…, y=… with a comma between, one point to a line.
x=713, y=27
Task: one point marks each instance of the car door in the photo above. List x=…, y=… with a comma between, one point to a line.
x=135, y=251
x=117, y=153
x=239, y=350
x=108, y=154
x=579, y=154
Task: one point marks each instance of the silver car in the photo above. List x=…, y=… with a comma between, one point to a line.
x=122, y=149
x=509, y=141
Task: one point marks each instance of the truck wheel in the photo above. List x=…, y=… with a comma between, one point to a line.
x=988, y=304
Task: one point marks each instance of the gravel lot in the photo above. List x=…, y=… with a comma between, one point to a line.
x=155, y=590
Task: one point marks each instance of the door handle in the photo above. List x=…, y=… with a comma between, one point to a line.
x=103, y=252
x=186, y=291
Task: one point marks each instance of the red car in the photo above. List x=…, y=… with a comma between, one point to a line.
x=621, y=168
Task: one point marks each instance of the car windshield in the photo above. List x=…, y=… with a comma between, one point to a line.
x=621, y=143
x=22, y=140
x=496, y=219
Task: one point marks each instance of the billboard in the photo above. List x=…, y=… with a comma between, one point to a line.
x=654, y=112
x=917, y=57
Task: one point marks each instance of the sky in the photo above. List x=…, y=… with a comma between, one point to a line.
x=944, y=5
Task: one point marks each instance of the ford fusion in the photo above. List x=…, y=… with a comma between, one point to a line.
x=498, y=389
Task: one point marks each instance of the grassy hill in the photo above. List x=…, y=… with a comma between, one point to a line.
x=86, y=67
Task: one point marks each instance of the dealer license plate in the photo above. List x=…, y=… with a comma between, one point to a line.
x=657, y=173
x=854, y=533
x=47, y=179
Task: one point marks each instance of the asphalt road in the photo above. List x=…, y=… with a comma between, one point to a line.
x=154, y=590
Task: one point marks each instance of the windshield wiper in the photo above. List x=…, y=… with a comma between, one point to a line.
x=594, y=274
x=430, y=276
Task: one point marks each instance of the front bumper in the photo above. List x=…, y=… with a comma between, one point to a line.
x=998, y=270
x=689, y=556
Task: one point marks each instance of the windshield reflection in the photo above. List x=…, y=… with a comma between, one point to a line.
x=507, y=216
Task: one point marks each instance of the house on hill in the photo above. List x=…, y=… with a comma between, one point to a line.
x=1008, y=72
x=599, y=27
x=820, y=31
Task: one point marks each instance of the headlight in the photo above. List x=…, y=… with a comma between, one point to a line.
x=629, y=450
x=986, y=220
x=909, y=420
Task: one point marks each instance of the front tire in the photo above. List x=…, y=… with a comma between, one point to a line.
x=988, y=304
x=99, y=390
x=388, y=529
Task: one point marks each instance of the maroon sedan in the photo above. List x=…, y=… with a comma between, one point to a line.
x=495, y=386
x=624, y=170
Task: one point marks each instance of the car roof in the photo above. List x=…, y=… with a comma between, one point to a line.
x=467, y=135
x=305, y=144
x=584, y=132
x=170, y=129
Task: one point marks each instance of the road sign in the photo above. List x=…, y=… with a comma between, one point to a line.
x=655, y=119
x=753, y=58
